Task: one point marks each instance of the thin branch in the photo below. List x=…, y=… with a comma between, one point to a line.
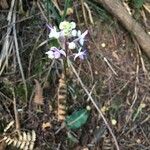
x=16, y=112
x=92, y=100
x=18, y=56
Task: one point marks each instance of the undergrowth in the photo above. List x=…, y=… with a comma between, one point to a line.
x=115, y=74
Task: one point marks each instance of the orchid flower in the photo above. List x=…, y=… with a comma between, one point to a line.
x=80, y=54
x=69, y=36
x=53, y=32
x=71, y=45
x=55, y=53
x=81, y=37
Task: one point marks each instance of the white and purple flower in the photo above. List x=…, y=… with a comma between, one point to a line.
x=81, y=37
x=81, y=54
x=55, y=53
x=53, y=32
x=68, y=38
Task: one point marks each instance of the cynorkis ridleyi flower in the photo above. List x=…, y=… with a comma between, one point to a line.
x=55, y=53
x=80, y=54
x=71, y=41
x=53, y=32
x=81, y=37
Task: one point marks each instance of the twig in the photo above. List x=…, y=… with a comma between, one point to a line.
x=18, y=56
x=84, y=14
x=56, y=5
x=92, y=100
x=107, y=62
x=120, y=90
x=117, y=9
x=91, y=91
x=136, y=89
x=49, y=70
x=43, y=14
x=7, y=43
x=146, y=138
x=104, y=58
x=142, y=61
x=16, y=112
x=89, y=13
x=33, y=50
x=19, y=21
x=10, y=100
x=6, y=52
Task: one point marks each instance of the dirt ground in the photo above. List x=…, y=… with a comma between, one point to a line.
x=116, y=74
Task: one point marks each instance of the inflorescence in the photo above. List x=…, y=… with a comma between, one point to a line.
x=71, y=41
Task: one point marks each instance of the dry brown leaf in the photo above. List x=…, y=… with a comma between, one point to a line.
x=2, y=145
x=38, y=98
x=46, y=125
x=4, y=4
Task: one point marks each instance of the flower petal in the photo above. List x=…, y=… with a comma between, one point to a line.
x=84, y=34
x=73, y=25
x=74, y=33
x=81, y=55
x=50, y=54
x=81, y=37
x=53, y=48
x=79, y=33
x=71, y=45
x=81, y=41
x=56, y=55
x=62, y=52
x=54, y=33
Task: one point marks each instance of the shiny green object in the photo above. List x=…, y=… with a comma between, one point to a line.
x=77, y=119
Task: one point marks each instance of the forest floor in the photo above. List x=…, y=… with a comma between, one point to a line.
x=115, y=74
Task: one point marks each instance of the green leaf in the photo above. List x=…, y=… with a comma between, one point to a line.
x=67, y=2
x=77, y=119
x=138, y=3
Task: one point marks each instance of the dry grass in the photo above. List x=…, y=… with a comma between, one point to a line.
x=114, y=81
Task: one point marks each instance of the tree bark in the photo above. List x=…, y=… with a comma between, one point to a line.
x=117, y=9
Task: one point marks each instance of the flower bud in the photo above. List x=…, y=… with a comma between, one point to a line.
x=74, y=33
x=71, y=45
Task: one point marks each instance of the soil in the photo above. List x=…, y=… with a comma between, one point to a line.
x=115, y=67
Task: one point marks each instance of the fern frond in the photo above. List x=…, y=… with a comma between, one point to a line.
x=8, y=126
x=24, y=141
x=62, y=96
